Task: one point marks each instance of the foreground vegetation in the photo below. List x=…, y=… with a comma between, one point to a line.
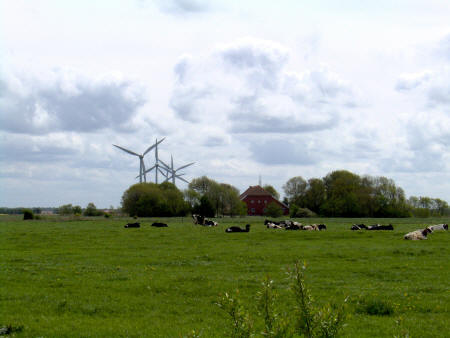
x=92, y=277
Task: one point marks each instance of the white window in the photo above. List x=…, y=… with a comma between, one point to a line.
x=252, y=201
x=259, y=201
x=265, y=201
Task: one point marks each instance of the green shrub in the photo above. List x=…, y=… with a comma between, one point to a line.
x=273, y=210
x=28, y=214
x=297, y=212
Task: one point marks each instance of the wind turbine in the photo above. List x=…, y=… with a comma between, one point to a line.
x=157, y=165
x=142, y=171
x=174, y=171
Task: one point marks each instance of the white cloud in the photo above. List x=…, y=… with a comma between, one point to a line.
x=67, y=100
x=433, y=85
x=246, y=87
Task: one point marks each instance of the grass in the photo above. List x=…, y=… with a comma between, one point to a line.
x=77, y=277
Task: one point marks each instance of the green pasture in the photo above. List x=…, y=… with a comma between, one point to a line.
x=93, y=278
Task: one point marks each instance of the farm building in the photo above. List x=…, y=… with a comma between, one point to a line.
x=257, y=200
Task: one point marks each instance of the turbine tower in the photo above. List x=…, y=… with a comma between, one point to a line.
x=142, y=171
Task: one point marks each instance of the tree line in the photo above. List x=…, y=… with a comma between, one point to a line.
x=342, y=193
x=203, y=196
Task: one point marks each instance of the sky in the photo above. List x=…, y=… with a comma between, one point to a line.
x=244, y=89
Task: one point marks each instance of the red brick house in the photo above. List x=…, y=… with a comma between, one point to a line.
x=257, y=200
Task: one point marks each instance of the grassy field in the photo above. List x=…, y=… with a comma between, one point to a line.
x=93, y=278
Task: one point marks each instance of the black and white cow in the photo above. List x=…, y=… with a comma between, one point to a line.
x=132, y=225
x=380, y=227
x=159, y=225
x=438, y=227
x=238, y=229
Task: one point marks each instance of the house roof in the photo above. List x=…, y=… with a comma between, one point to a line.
x=257, y=190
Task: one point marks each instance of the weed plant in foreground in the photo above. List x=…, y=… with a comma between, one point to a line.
x=92, y=277
x=305, y=318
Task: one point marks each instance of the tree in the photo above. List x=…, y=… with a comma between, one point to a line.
x=230, y=201
x=91, y=210
x=28, y=214
x=425, y=202
x=295, y=189
x=440, y=206
x=77, y=210
x=65, y=209
x=315, y=194
x=204, y=207
x=224, y=198
x=413, y=201
x=270, y=189
x=202, y=184
x=154, y=200
x=192, y=197
x=342, y=189
x=273, y=210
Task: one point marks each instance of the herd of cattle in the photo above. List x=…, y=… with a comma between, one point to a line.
x=292, y=225
x=138, y=225
x=413, y=235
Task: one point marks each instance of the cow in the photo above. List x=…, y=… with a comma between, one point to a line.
x=293, y=227
x=322, y=227
x=273, y=222
x=202, y=220
x=418, y=234
x=438, y=227
x=209, y=223
x=273, y=226
x=159, y=225
x=238, y=229
x=358, y=227
x=198, y=219
x=132, y=225
x=380, y=227
x=312, y=227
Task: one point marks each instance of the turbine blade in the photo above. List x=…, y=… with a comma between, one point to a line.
x=162, y=173
x=126, y=150
x=152, y=146
x=185, y=166
x=181, y=178
x=148, y=149
x=148, y=170
x=164, y=164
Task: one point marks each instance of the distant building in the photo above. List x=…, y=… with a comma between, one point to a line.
x=257, y=200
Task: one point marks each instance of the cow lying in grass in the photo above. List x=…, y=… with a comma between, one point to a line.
x=159, y=225
x=359, y=227
x=202, y=220
x=270, y=225
x=438, y=227
x=418, y=234
x=380, y=227
x=238, y=229
x=132, y=225
x=372, y=227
